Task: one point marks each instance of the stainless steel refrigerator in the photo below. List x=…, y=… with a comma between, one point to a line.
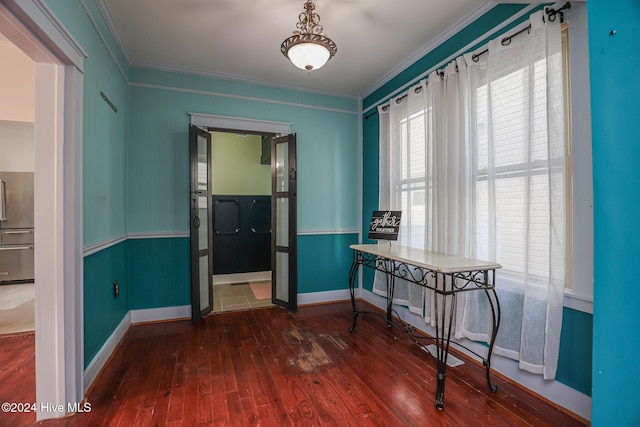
x=16, y=227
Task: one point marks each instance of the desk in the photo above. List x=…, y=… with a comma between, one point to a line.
x=447, y=276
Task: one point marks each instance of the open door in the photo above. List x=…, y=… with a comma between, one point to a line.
x=284, y=268
x=200, y=220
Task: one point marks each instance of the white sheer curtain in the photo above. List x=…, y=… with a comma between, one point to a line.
x=405, y=128
x=475, y=161
x=428, y=181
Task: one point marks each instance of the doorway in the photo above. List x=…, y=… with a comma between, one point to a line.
x=240, y=277
x=58, y=183
x=241, y=220
x=17, y=164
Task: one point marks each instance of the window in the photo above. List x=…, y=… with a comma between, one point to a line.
x=518, y=173
x=481, y=165
x=519, y=168
x=566, y=67
x=413, y=184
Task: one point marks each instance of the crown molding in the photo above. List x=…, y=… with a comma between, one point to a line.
x=453, y=30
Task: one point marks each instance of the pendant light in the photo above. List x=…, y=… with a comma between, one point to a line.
x=308, y=48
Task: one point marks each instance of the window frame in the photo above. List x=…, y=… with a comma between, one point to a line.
x=576, y=296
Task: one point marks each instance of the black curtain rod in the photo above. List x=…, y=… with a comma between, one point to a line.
x=373, y=113
x=417, y=89
x=507, y=40
x=476, y=56
x=553, y=12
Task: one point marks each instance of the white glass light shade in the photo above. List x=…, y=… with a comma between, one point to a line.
x=308, y=56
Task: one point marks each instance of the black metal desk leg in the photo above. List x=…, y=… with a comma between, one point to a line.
x=352, y=290
x=443, y=335
x=495, y=316
x=391, y=282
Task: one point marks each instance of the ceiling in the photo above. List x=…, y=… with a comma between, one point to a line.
x=241, y=40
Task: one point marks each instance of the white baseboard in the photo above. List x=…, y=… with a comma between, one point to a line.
x=92, y=371
x=326, y=296
x=258, y=276
x=162, y=313
x=555, y=391
x=132, y=317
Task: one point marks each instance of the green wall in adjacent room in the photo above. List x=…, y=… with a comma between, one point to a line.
x=235, y=165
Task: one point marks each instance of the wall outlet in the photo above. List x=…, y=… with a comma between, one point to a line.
x=116, y=289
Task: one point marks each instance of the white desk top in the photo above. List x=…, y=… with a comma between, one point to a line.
x=426, y=259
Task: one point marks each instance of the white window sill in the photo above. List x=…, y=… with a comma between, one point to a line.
x=577, y=302
x=571, y=300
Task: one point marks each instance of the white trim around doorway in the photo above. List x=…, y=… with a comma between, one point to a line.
x=239, y=123
x=59, y=359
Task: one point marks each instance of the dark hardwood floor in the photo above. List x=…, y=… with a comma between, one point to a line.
x=270, y=367
x=17, y=377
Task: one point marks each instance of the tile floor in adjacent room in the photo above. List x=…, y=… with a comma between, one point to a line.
x=230, y=297
x=233, y=292
x=17, y=313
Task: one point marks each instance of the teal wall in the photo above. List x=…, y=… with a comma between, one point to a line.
x=575, y=361
x=104, y=131
x=326, y=260
x=615, y=108
x=103, y=312
x=136, y=171
x=146, y=271
x=158, y=270
x=158, y=174
x=574, y=368
x=104, y=171
x=148, y=136
x=157, y=156
x=83, y=20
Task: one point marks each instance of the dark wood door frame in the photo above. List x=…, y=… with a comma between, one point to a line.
x=198, y=311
